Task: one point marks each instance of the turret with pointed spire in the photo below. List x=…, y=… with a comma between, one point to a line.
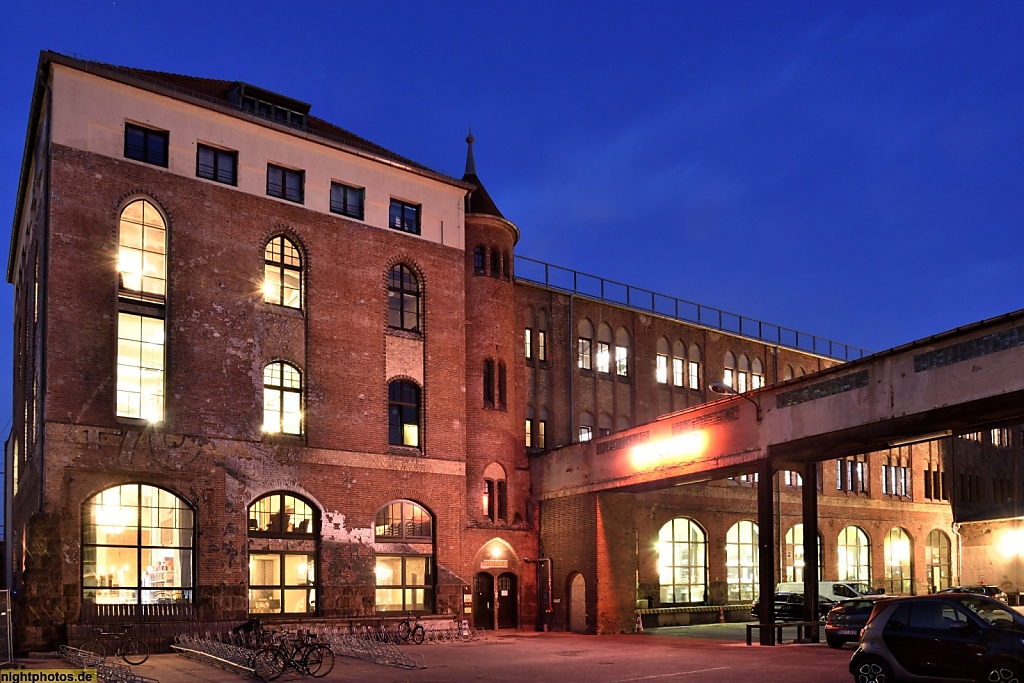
x=478, y=201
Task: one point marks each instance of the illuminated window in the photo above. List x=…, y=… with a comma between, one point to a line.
x=585, y=341
x=694, y=367
x=528, y=340
x=138, y=547
x=145, y=144
x=540, y=440
x=403, y=414
x=622, y=353
x=495, y=493
x=404, y=216
x=142, y=252
x=282, y=399
x=742, y=373
x=140, y=367
x=282, y=581
x=347, y=201
x=661, y=369
x=403, y=299
x=898, y=553
x=529, y=428
x=542, y=345
x=794, y=555
x=219, y=165
x=756, y=374
x=729, y=372
x=937, y=560
x=404, y=581
x=895, y=479
x=586, y=433
x=603, y=357
x=792, y=478
x=286, y=183
x=682, y=562
x=282, y=273
x=741, y=562
x=851, y=474
x=854, y=555
x=1001, y=437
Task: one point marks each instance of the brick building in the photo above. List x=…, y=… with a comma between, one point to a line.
x=266, y=367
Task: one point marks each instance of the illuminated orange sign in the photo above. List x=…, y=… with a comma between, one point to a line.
x=669, y=451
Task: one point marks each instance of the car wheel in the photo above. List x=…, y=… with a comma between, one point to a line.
x=833, y=642
x=873, y=670
x=1001, y=672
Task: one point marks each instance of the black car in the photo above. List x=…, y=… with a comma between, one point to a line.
x=790, y=607
x=947, y=636
x=994, y=592
x=844, y=621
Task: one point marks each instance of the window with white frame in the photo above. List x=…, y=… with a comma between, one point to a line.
x=622, y=353
x=282, y=399
x=282, y=273
x=604, y=346
x=756, y=374
x=741, y=562
x=682, y=562
x=585, y=341
x=729, y=370
x=140, y=367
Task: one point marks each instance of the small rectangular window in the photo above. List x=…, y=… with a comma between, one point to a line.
x=583, y=354
x=542, y=345
x=694, y=375
x=603, y=357
x=348, y=201
x=404, y=216
x=529, y=433
x=539, y=436
x=621, y=361
x=217, y=164
x=528, y=337
x=286, y=183
x=144, y=144
x=586, y=433
x=677, y=372
x=661, y=369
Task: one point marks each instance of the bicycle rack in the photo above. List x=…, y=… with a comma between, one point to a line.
x=369, y=645
x=231, y=654
x=109, y=672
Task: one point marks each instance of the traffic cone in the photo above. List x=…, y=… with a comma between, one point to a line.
x=639, y=624
x=721, y=615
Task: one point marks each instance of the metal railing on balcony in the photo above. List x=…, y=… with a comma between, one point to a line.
x=639, y=299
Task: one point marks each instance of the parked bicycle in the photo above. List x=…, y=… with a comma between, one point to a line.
x=132, y=650
x=410, y=629
x=306, y=656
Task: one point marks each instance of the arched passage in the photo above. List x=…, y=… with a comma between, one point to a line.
x=577, y=608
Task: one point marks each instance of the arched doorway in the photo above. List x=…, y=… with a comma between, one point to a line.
x=577, y=612
x=483, y=601
x=508, y=601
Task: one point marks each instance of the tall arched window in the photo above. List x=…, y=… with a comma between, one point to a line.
x=793, y=555
x=282, y=555
x=403, y=299
x=678, y=364
x=282, y=398
x=604, y=348
x=742, y=373
x=479, y=258
x=282, y=273
x=937, y=560
x=682, y=562
x=756, y=374
x=403, y=414
x=741, y=560
x=622, y=352
x=404, y=544
x=854, y=555
x=138, y=546
x=693, y=363
x=586, y=427
x=584, y=349
x=142, y=271
x=141, y=253
x=661, y=363
x=605, y=425
x=787, y=372
x=898, y=570
x=729, y=373
x=495, y=263
x=495, y=493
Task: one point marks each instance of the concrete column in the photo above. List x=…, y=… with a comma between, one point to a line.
x=810, y=522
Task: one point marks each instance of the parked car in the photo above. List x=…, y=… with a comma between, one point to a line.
x=833, y=590
x=961, y=636
x=790, y=607
x=844, y=622
x=994, y=592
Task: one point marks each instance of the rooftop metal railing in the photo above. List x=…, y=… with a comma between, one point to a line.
x=639, y=299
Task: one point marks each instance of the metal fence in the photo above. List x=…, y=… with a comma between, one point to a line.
x=600, y=289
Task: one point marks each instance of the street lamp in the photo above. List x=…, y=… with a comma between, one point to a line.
x=725, y=390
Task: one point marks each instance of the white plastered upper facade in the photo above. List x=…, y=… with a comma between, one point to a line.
x=89, y=113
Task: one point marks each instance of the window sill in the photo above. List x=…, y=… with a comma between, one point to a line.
x=277, y=438
x=405, y=334
x=281, y=309
x=585, y=372
x=405, y=450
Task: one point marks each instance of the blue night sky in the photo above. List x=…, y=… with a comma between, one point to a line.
x=852, y=170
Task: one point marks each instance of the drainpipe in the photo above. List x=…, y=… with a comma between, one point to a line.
x=546, y=616
x=571, y=370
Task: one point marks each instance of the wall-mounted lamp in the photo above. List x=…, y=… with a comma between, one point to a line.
x=725, y=390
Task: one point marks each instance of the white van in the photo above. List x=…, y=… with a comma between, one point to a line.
x=833, y=590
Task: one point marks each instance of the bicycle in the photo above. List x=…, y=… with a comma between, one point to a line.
x=132, y=650
x=410, y=628
x=308, y=657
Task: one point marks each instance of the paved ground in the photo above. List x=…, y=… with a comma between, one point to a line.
x=715, y=653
